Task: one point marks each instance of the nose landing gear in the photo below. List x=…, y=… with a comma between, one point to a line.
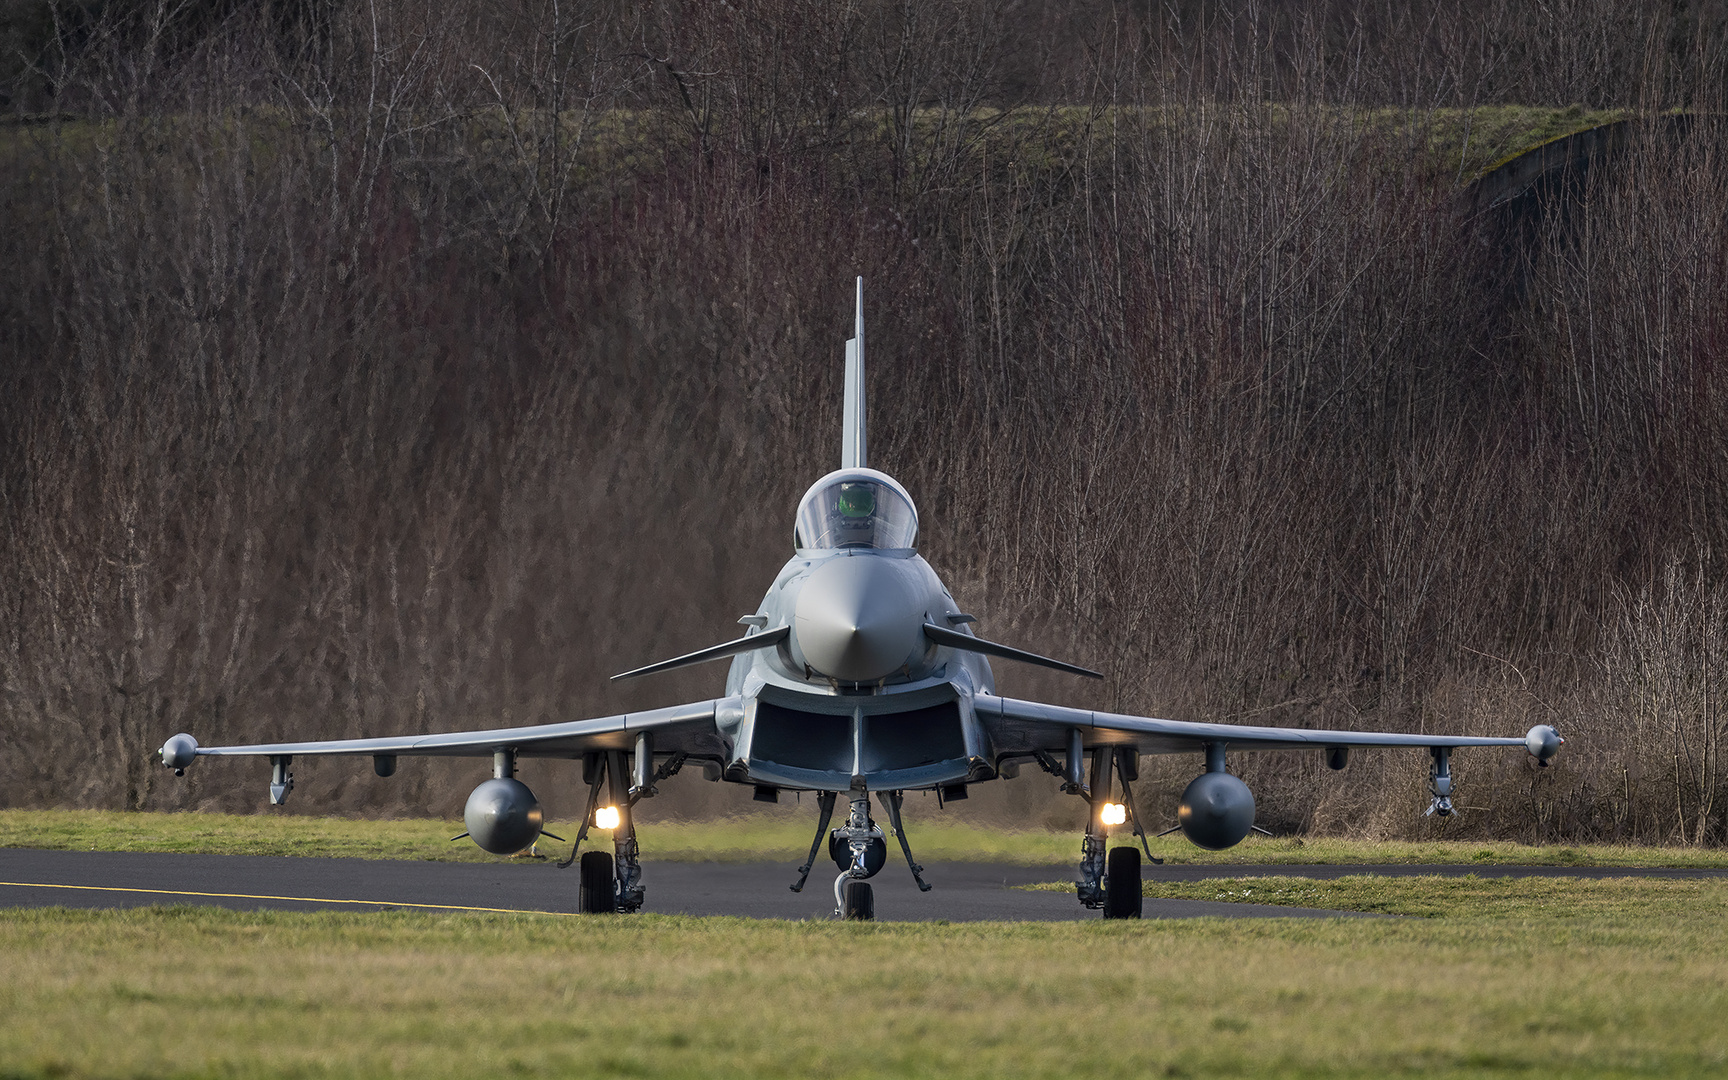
x=860, y=850
x=856, y=900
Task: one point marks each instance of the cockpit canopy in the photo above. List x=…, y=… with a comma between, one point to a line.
x=856, y=508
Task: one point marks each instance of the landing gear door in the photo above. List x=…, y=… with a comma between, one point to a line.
x=980, y=748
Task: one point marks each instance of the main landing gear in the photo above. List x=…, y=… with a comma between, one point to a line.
x=1109, y=878
x=613, y=882
x=1122, y=884
x=859, y=849
x=595, y=893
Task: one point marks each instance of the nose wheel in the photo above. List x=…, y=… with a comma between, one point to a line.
x=854, y=900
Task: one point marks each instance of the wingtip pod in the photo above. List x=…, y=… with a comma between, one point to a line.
x=179, y=752
x=1543, y=742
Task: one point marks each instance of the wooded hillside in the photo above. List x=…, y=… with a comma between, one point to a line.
x=377, y=367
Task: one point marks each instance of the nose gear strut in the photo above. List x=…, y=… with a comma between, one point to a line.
x=858, y=847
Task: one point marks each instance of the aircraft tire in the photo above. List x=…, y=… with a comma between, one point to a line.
x=597, y=894
x=1122, y=899
x=860, y=902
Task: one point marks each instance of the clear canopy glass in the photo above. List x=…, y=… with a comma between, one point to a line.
x=856, y=510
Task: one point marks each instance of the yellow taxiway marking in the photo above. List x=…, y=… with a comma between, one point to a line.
x=300, y=899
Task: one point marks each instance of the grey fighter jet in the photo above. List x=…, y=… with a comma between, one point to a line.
x=858, y=675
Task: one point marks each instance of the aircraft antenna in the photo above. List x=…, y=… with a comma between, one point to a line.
x=852, y=451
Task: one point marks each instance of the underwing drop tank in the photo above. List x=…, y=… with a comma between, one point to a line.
x=1216, y=811
x=503, y=816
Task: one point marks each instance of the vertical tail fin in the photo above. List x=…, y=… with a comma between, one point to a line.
x=852, y=451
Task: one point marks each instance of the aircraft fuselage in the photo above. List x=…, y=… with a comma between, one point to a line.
x=856, y=693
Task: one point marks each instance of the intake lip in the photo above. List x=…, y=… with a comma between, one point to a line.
x=858, y=618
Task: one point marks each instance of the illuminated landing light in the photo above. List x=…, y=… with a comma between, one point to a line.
x=1113, y=813
x=606, y=817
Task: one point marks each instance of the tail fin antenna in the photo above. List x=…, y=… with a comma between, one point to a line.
x=852, y=451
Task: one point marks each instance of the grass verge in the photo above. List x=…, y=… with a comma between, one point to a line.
x=757, y=837
x=1613, y=978
x=1432, y=897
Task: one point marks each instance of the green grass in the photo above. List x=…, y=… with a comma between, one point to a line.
x=758, y=837
x=1569, y=978
x=1430, y=896
x=1480, y=140
x=1456, y=144
x=1623, y=977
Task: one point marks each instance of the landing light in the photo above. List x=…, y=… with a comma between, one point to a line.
x=606, y=817
x=1114, y=813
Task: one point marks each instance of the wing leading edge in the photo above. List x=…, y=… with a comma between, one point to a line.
x=1025, y=726
x=689, y=728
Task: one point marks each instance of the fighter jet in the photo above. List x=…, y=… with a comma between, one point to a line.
x=859, y=675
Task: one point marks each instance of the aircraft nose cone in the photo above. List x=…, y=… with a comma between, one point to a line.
x=858, y=618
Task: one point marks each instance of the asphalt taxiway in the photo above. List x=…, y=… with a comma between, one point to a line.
x=963, y=892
